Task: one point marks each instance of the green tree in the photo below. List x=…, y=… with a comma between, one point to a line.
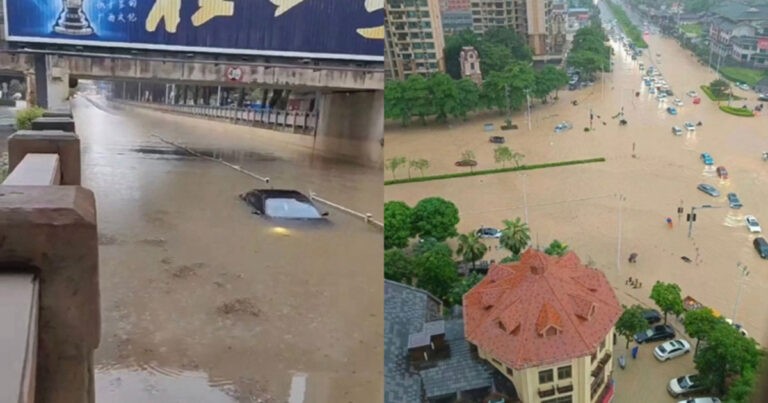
x=396, y=103
x=631, y=322
x=549, y=79
x=417, y=97
x=452, y=50
x=515, y=236
x=509, y=39
x=444, y=95
x=502, y=155
x=493, y=58
x=726, y=354
x=517, y=158
x=398, y=266
x=434, y=217
x=471, y=248
x=435, y=268
x=394, y=163
x=698, y=323
x=667, y=298
x=469, y=99
x=456, y=295
x=421, y=164
x=469, y=157
x=742, y=387
x=556, y=248
x=697, y=6
x=719, y=87
x=506, y=90
x=397, y=224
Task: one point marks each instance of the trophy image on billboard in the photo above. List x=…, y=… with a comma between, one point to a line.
x=72, y=20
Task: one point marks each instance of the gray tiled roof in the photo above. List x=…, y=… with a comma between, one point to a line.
x=461, y=372
x=406, y=309
x=741, y=12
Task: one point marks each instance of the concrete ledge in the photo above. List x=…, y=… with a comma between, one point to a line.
x=50, y=123
x=53, y=230
x=18, y=314
x=57, y=114
x=65, y=144
x=36, y=170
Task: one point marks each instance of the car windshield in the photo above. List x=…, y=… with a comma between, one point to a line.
x=684, y=382
x=751, y=221
x=649, y=333
x=290, y=208
x=662, y=349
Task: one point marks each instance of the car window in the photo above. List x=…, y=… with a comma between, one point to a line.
x=290, y=208
x=662, y=349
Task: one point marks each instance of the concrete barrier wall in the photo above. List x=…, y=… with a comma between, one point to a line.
x=295, y=122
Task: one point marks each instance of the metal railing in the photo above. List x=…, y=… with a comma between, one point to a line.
x=296, y=121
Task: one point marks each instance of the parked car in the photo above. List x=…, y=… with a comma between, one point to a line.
x=722, y=173
x=707, y=159
x=733, y=201
x=743, y=86
x=701, y=400
x=677, y=131
x=488, y=232
x=709, y=189
x=497, y=139
x=652, y=91
x=678, y=102
x=692, y=94
x=684, y=385
x=752, y=224
x=652, y=316
x=761, y=246
x=655, y=333
x=282, y=204
x=671, y=349
x=762, y=97
x=672, y=110
x=689, y=126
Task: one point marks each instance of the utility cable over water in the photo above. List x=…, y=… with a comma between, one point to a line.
x=367, y=217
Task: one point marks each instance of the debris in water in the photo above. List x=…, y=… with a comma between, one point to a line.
x=239, y=305
x=686, y=259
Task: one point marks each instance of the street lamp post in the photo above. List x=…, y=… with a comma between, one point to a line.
x=528, y=99
x=692, y=217
x=525, y=196
x=744, y=274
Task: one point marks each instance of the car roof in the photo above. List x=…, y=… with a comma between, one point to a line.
x=281, y=193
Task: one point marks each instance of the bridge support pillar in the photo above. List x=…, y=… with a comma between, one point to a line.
x=52, y=82
x=351, y=124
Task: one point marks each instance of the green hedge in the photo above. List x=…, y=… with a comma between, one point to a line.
x=737, y=111
x=627, y=26
x=742, y=75
x=25, y=117
x=710, y=95
x=491, y=171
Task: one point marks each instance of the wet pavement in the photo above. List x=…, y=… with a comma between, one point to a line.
x=580, y=205
x=204, y=301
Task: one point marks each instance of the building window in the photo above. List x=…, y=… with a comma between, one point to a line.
x=472, y=66
x=564, y=373
x=509, y=371
x=560, y=399
x=546, y=376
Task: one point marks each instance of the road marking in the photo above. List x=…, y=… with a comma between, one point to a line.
x=298, y=388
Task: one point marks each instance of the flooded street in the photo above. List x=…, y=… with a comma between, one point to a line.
x=203, y=301
x=580, y=205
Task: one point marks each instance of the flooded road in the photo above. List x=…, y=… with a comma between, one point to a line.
x=198, y=294
x=580, y=205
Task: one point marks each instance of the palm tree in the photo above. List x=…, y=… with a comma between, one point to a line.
x=471, y=249
x=515, y=236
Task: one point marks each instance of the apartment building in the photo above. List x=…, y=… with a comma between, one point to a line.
x=414, y=38
x=741, y=32
x=532, y=19
x=556, y=346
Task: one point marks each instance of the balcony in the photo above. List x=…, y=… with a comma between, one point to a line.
x=565, y=388
x=547, y=392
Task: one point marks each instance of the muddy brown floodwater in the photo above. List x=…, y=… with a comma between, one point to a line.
x=203, y=301
x=580, y=204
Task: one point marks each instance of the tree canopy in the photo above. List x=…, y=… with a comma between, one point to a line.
x=397, y=224
x=589, y=53
x=471, y=248
x=438, y=96
x=698, y=323
x=398, y=266
x=435, y=269
x=667, y=298
x=497, y=48
x=631, y=322
x=515, y=236
x=726, y=355
x=462, y=287
x=556, y=248
x=434, y=217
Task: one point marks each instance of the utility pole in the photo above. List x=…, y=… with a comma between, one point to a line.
x=509, y=107
x=528, y=99
x=744, y=274
x=525, y=196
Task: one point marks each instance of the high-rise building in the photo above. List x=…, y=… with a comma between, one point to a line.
x=414, y=38
x=532, y=19
x=454, y=5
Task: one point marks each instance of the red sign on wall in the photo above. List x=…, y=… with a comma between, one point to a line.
x=762, y=43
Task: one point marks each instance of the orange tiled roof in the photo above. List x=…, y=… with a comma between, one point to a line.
x=540, y=310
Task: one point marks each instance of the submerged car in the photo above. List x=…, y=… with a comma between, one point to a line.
x=743, y=86
x=652, y=316
x=282, y=204
x=678, y=102
x=562, y=126
x=752, y=224
x=692, y=94
x=734, y=202
x=689, y=126
x=762, y=97
x=709, y=189
x=684, y=385
x=655, y=333
x=722, y=173
x=671, y=349
x=497, y=139
x=707, y=159
x=677, y=131
x=672, y=110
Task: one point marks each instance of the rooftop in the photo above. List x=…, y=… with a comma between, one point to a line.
x=741, y=12
x=541, y=310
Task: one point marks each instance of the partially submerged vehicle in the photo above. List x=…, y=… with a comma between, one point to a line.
x=283, y=204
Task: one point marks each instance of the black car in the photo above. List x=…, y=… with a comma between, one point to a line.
x=761, y=246
x=497, y=139
x=655, y=333
x=652, y=316
x=282, y=204
x=762, y=97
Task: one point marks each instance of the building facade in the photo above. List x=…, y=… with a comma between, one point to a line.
x=455, y=21
x=413, y=38
x=469, y=61
x=532, y=19
x=556, y=347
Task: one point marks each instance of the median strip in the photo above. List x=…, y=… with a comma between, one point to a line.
x=491, y=171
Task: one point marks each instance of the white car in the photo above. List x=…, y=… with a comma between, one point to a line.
x=684, y=385
x=488, y=232
x=701, y=400
x=752, y=224
x=689, y=126
x=743, y=86
x=678, y=102
x=677, y=131
x=671, y=349
x=692, y=94
x=662, y=96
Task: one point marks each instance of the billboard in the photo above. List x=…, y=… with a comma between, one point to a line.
x=324, y=29
x=762, y=43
